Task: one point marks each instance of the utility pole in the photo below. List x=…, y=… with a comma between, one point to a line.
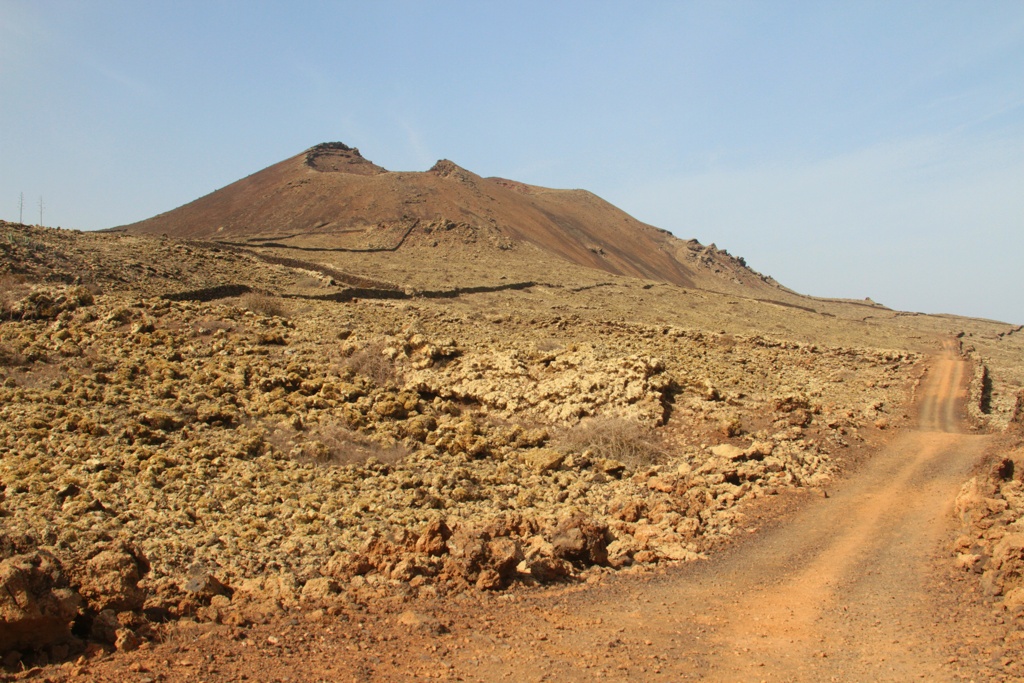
x=21, y=208
x=40, y=210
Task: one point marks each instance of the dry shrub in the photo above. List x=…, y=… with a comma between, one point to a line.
x=371, y=362
x=11, y=358
x=549, y=345
x=206, y=326
x=264, y=304
x=731, y=426
x=13, y=288
x=627, y=441
x=177, y=634
x=334, y=444
x=308, y=282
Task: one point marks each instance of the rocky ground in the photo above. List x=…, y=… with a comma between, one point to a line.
x=191, y=433
x=990, y=508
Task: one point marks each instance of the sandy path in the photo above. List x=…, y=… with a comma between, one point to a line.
x=852, y=587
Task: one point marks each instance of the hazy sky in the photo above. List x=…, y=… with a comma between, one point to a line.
x=846, y=148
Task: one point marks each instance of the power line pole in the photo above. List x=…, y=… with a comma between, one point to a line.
x=21, y=208
x=40, y=210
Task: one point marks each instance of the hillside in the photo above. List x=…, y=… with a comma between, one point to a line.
x=330, y=198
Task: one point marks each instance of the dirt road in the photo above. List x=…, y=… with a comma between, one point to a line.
x=853, y=587
x=848, y=589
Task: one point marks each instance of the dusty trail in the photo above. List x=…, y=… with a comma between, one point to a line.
x=852, y=587
x=845, y=590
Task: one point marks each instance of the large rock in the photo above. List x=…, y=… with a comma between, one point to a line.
x=468, y=555
x=543, y=459
x=503, y=556
x=727, y=450
x=111, y=579
x=434, y=539
x=582, y=541
x=976, y=501
x=1008, y=562
x=320, y=589
x=204, y=585
x=37, y=607
x=548, y=569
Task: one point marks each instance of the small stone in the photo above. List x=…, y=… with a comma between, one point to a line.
x=543, y=459
x=204, y=584
x=548, y=569
x=611, y=467
x=727, y=450
x=126, y=640
x=422, y=622
x=320, y=589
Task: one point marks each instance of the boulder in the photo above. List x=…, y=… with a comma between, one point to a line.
x=972, y=503
x=204, y=584
x=490, y=580
x=543, y=459
x=1014, y=599
x=503, y=555
x=1008, y=561
x=434, y=539
x=37, y=607
x=727, y=450
x=111, y=579
x=104, y=627
x=548, y=569
x=320, y=589
x=468, y=553
x=582, y=541
x=421, y=622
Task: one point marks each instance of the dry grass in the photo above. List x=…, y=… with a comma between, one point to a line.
x=549, y=345
x=308, y=282
x=264, y=304
x=372, y=363
x=627, y=441
x=13, y=288
x=11, y=358
x=334, y=444
x=177, y=635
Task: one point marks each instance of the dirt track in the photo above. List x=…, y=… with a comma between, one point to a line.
x=845, y=590
x=852, y=587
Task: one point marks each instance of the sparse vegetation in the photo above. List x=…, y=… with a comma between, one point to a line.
x=18, y=238
x=629, y=442
x=334, y=444
x=9, y=357
x=12, y=290
x=264, y=304
x=549, y=345
x=731, y=426
x=373, y=363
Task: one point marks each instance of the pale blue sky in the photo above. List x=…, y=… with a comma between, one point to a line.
x=846, y=148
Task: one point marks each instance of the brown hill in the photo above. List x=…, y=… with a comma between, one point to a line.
x=331, y=198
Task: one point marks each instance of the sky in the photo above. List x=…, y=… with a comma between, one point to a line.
x=852, y=149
